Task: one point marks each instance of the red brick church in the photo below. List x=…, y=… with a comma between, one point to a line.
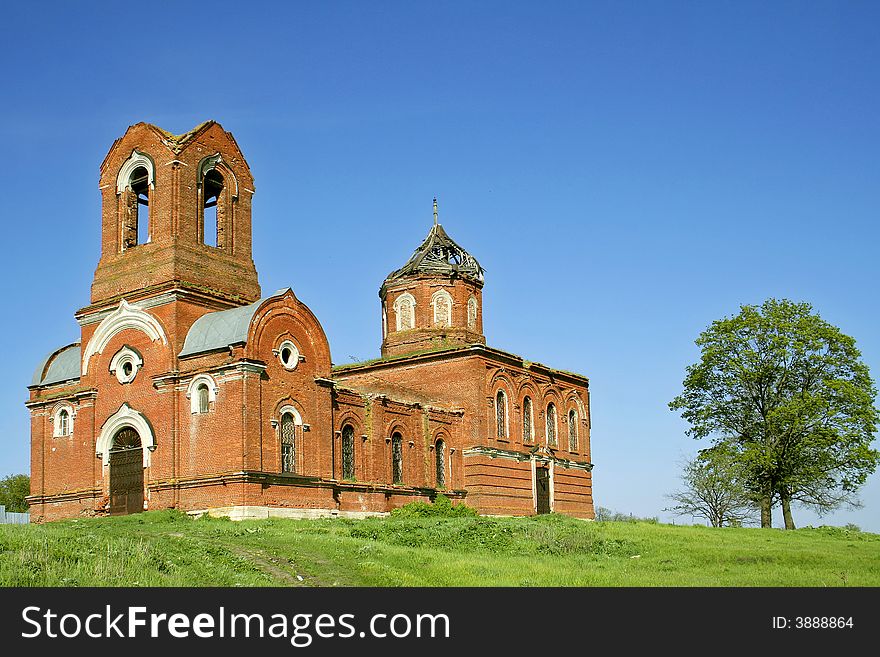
x=190, y=389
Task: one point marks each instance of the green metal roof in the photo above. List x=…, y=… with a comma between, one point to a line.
x=222, y=328
x=63, y=365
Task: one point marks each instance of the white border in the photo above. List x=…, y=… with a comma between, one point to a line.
x=124, y=317
x=193, y=386
x=120, y=358
x=406, y=297
x=126, y=416
x=434, y=298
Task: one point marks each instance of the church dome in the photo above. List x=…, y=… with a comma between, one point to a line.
x=440, y=255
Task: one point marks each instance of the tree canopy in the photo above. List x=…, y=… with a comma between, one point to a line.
x=13, y=491
x=790, y=393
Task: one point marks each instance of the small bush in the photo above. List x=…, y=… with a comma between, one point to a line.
x=442, y=507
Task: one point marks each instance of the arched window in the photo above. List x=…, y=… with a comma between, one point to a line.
x=134, y=184
x=62, y=421
x=212, y=187
x=501, y=414
x=472, y=314
x=348, y=452
x=528, y=423
x=442, y=302
x=397, y=458
x=202, y=392
x=404, y=310
x=288, y=443
x=288, y=354
x=137, y=222
x=572, y=430
x=551, y=424
x=440, y=462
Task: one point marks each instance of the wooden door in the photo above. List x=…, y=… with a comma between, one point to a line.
x=126, y=473
x=542, y=482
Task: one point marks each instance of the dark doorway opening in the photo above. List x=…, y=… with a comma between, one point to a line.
x=542, y=482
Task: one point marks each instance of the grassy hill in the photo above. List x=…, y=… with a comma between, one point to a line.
x=167, y=548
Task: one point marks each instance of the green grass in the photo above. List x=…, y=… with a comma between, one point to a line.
x=167, y=548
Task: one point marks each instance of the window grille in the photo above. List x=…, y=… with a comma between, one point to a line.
x=440, y=459
x=397, y=458
x=348, y=452
x=527, y=420
x=501, y=414
x=551, y=425
x=288, y=443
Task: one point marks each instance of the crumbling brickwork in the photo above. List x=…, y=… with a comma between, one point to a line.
x=229, y=399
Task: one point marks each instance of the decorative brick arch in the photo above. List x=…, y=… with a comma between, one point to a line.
x=126, y=416
x=123, y=318
x=301, y=326
x=215, y=161
x=528, y=391
x=501, y=382
x=137, y=159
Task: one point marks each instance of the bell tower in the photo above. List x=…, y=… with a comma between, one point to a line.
x=176, y=218
x=435, y=300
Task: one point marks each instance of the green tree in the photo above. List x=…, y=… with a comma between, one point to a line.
x=13, y=491
x=715, y=487
x=791, y=394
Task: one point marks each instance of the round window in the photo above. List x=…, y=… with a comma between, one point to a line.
x=125, y=364
x=288, y=354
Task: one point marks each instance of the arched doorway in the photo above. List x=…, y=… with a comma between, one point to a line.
x=126, y=473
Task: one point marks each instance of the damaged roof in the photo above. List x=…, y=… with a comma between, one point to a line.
x=440, y=255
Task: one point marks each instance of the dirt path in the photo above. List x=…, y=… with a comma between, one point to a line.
x=281, y=570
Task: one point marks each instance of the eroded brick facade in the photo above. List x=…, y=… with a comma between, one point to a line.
x=188, y=389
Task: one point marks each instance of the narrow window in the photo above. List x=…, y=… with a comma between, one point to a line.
x=63, y=423
x=137, y=223
x=348, y=452
x=572, y=431
x=406, y=315
x=288, y=443
x=442, y=309
x=397, y=458
x=212, y=211
x=501, y=414
x=202, y=392
x=551, y=424
x=440, y=461
x=404, y=309
x=527, y=420
x=472, y=314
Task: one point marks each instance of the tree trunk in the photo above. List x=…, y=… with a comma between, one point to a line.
x=786, y=512
x=766, y=512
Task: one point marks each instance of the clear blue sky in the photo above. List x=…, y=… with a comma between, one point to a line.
x=626, y=172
